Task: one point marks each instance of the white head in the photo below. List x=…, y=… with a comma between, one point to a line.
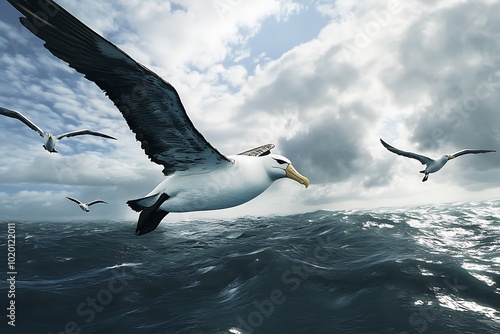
x=277, y=167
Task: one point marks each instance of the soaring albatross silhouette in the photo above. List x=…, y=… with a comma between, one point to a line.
x=50, y=139
x=198, y=176
x=432, y=165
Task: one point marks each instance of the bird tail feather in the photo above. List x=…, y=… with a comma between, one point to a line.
x=142, y=203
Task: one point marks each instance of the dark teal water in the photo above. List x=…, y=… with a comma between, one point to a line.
x=418, y=270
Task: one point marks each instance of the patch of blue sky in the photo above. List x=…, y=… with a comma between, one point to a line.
x=8, y=14
x=174, y=7
x=277, y=37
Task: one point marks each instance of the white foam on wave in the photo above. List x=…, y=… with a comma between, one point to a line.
x=126, y=264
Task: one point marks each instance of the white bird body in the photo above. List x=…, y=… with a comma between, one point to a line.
x=50, y=139
x=431, y=165
x=84, y=207
x=50, y=143
x=221, y=188
x=436, y=164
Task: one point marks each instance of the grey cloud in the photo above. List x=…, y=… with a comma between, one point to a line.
x=293, y=85
x=377, y=173
x=332, y=149
x=440, y=51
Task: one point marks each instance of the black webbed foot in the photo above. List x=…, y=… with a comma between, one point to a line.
x=150, y=218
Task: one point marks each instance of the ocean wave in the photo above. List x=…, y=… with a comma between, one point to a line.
x=428, y=269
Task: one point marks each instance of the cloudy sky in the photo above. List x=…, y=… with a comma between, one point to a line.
x=323, y=80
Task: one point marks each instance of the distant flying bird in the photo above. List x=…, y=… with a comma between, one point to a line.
x=85, y=206
x=198, y=176
x=432, y=165
x=50, y=139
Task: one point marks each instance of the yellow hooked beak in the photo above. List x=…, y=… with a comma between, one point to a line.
x=294, y=175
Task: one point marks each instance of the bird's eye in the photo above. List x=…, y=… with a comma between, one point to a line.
x=281, y=162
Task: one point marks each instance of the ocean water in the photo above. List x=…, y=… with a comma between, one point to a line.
x=430, y=269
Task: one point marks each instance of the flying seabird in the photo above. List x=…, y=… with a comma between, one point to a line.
x=85, y=206
x=199, y=177
x=432, y=165
x=50, y=139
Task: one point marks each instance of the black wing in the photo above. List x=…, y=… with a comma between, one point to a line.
x=259, y=151
x=150, y=105
x=423, y=159
x=22, y=118
x=95, y=202
x=74, y=200
x=469, y=151
x=84, y=132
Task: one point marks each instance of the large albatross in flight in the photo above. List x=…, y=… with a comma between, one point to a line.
x=432, y=165
x=198, y=176
x=50, y=139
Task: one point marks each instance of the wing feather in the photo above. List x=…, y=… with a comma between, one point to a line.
x=22, y=118
x=74, y=200
x=150, y=105
x=423, y=159
x=84, y=132
x=259, y=151
x=469, y=151
x=96, y=202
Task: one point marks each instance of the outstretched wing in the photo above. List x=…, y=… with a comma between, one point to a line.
x=22, y=118
x=74, y=200
x=259, y=151
x=150, y=105
x=469, y=151
x=84, y=132
x=423, y=159
x=95, y=202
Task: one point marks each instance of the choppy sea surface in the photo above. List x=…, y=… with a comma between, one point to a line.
x=429, y=269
